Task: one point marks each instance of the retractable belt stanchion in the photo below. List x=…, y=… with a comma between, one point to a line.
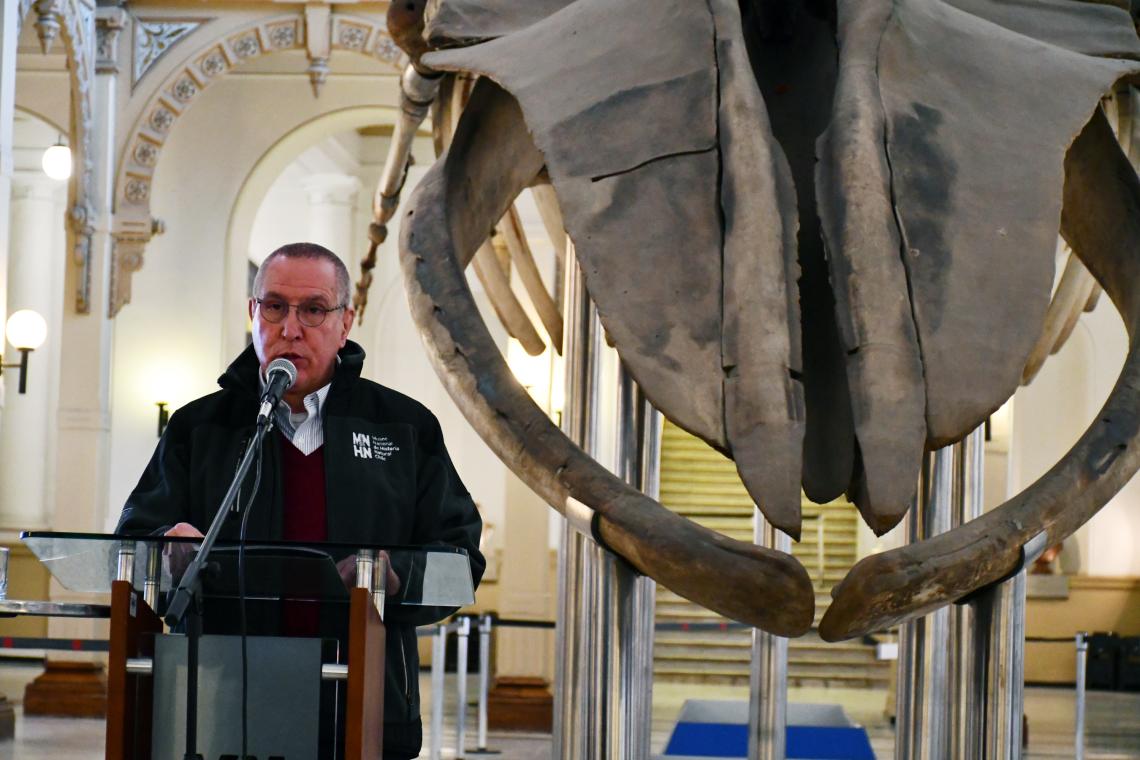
x=438, y=652
x=485, y=623
x=1082, y=641
x=463, y=630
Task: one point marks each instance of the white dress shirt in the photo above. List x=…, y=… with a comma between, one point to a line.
x=304, y=429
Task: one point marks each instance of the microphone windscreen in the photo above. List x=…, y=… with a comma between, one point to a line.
x=282, y=365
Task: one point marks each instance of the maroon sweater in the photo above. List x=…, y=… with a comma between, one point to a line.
x=303, y=481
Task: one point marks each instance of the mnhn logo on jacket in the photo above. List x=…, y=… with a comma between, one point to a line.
x=367, y=446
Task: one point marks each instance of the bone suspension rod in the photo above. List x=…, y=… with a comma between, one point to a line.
x=768, y=676
x=924, y=659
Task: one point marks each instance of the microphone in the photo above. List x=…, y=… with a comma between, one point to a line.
x=279, y=376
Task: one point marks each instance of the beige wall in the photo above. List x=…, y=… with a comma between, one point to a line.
x=1094, y=604
x=27, y=579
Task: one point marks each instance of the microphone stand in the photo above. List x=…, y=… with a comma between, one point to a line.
x=187, y=597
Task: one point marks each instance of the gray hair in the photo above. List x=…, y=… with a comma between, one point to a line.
x=308, y=251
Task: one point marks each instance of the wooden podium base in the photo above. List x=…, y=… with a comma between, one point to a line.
x=520, y=703
x=68, y=689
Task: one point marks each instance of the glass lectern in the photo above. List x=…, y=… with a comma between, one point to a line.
x=314, y=647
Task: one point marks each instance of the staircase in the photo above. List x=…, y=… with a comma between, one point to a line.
x=702, y=485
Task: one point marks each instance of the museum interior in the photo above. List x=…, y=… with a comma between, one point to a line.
x=154, y=152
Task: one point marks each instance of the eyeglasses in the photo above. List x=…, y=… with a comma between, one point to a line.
x=310, y=313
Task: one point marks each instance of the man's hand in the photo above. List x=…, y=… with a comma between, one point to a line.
x=184, y=530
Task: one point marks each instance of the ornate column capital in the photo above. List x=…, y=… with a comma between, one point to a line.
x=109, y=22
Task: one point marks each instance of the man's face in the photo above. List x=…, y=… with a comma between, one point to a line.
x=301, y=282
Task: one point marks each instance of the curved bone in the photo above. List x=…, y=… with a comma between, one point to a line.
x=795, y=68
x=417, y=92
x=675, y=290
x=1069, y=301
x=546, y=201
x=493, y=152
x=888, y=399
x=977, y=171
x=515, y=237
x=506, y=305
x=1094, y=297
x=1101, y=221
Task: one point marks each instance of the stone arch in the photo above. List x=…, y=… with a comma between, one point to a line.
x=134, y=226
x=74, y=22
x=257, y=182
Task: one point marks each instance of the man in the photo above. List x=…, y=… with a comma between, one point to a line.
x=317, y=484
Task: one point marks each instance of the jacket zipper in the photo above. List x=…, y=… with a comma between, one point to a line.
x=404, y=666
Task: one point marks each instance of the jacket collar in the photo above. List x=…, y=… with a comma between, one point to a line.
x=242, y=374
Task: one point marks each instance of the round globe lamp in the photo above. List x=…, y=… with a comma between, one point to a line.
x=26, y=330
x=56, y=162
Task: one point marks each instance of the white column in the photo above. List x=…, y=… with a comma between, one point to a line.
x=83, y=451
x=35, y=237
x=9, y=32
x=332, y=210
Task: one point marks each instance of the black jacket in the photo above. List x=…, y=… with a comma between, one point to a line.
x=410, y=496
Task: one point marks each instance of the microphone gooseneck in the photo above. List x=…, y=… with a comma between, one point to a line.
x=279, y=377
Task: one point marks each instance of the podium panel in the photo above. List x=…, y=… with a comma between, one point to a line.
x=284, y=697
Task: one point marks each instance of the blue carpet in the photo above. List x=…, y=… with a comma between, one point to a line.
x=731, y=740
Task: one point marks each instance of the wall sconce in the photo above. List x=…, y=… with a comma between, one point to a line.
x=56, y=161
x=26, y=330
x=163, y=416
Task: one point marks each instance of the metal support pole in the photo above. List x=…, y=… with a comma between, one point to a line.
x=603, y=677
x=924, y=659
x=152, y=580
x=967, y=674
x=1004, y=668
x=462, y=632
x=1079, y=718
x=768, y=678
x=438, y=652
x=125, y=564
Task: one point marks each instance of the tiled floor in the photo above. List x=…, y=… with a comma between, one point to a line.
x=1113, y=724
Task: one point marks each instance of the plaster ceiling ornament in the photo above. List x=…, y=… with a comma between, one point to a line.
x=48, y=25
x=137, y=190
x=283, y=35
x=133, y=223
x=145, y=152
x=811, y=318
x=351, y=36
x=213, y=64
x=387, y=49
x=161, y=118
x=154, y=38
x=107, y=31
x=246, y=45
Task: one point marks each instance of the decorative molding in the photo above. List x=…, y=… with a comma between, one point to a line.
x=109, y=22
x=133, y=225
x=154, y=38
x=48, y=26
x=80, y=38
